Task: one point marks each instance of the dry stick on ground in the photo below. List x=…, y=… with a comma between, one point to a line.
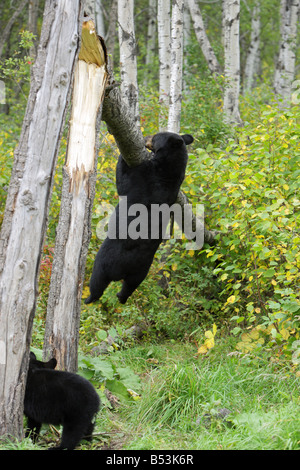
x=130, y=142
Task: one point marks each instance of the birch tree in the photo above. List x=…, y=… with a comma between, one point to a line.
x=26, y=211
x=202, y=38
x=176, y=66
x=128, y=61
x=164, y=54
x=151, y=38
x=99, y=18
x=285, y=68
x=231, y=15
x=79, y=178
x=110, y=36
x=253, y=52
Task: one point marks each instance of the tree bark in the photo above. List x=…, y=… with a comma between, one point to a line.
x=25, y=219
x=32, y=25
x=202, y=38
x=110, y=36
x=151, y=39
x=231, y=21
x=79, y=179
x=164, y=48
x=253, y=52
x=176, y=66
x=285, y=68
x=99, y=20
x=128, y=62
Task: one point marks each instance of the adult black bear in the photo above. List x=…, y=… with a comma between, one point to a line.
x=58, y=397
x=126, y=255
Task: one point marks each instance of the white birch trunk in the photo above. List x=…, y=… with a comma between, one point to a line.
x=128, y=61
x=202, y=38
x=164, y=54
x=100, y=27
x=231, y=20
x=285, y=68
x=176, y=66
x=186, y=42
x=111, y=32
x=25, y=220
x=253, y=52
x=79, y=178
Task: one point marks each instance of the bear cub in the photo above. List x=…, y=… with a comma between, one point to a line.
x=156, y=181
x=58, y=397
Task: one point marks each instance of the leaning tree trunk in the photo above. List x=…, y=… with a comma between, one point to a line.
x=202, y=38
x=25, y=218
x=285, y=68
x=79, y=178
x=253, y=52
x=128, y=62
x=176, y=66
x=164, y=47
x=231, y=22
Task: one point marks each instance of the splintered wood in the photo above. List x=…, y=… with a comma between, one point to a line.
x=90, y=79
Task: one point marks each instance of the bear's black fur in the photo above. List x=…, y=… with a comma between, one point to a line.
x=58, y=397
x=155, y=181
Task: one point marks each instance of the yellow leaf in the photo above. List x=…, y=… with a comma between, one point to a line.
x=214, y=329
x=286, y=187
x=285, y=333
x=208, y=334
x=254, y=334
x=209, y=343
x=202, y=349
x=245, y=338
x=231, y=299
x=174, y=267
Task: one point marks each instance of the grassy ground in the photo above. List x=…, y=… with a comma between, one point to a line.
x=183, y=398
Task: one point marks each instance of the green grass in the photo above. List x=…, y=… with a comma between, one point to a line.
x=182, y=394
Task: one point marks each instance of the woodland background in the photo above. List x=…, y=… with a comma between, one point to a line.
x=238, y=297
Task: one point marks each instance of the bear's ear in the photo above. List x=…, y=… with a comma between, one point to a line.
x=51, y=364
x=188, y=139
x=32, y=356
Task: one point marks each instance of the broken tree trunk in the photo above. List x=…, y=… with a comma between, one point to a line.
x=26, y=212
x=79, y=178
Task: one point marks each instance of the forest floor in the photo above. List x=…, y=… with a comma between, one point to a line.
x=221, y=401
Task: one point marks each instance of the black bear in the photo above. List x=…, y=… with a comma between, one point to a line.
x=58, y=397
x=127, y=255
